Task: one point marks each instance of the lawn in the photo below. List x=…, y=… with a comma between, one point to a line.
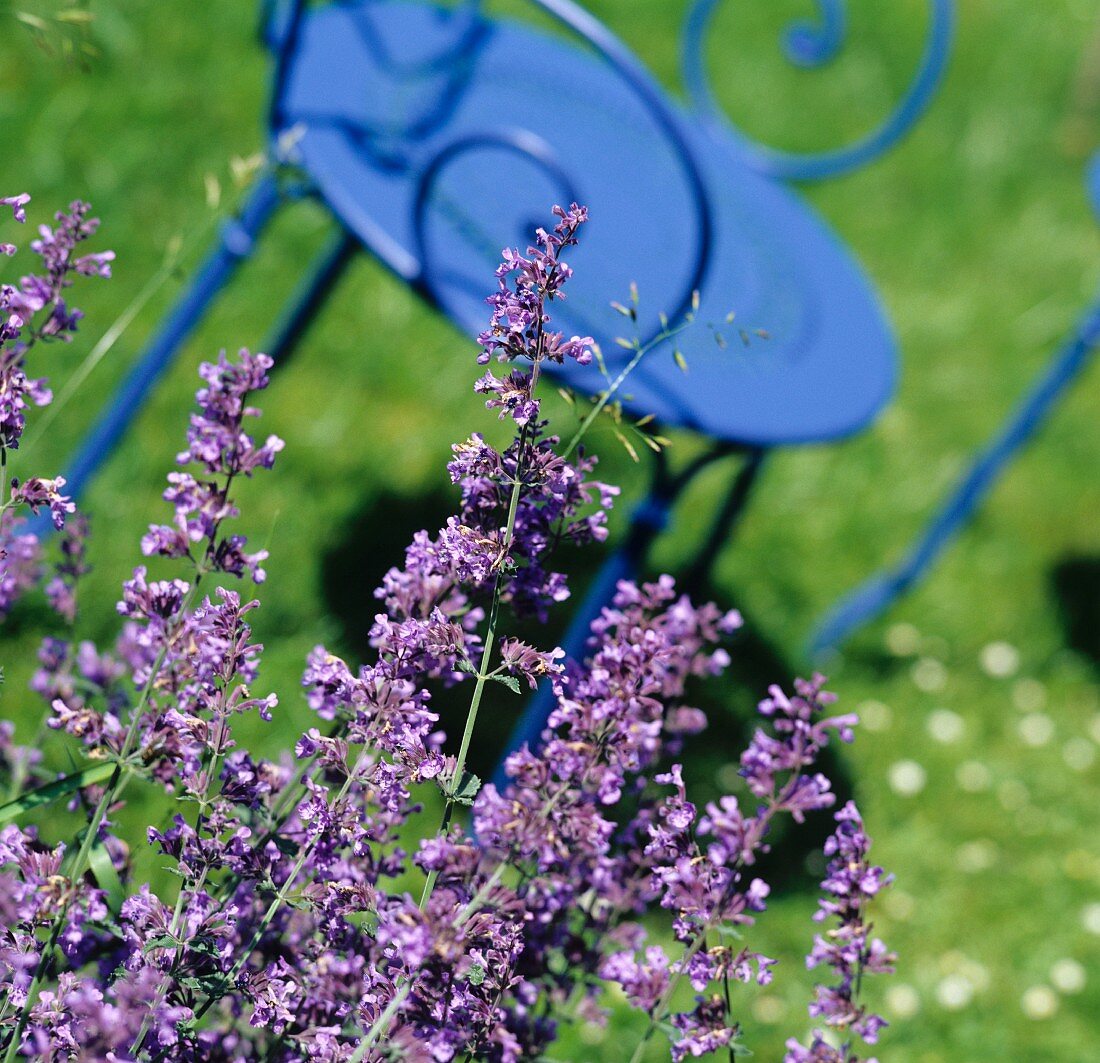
x=977, y=768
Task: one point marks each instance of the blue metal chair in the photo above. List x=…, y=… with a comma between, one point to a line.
x=873, y=596
x=414, y=125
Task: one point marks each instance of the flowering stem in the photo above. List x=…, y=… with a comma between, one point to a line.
x=774, y=805
x=380, y=1023
x=276, y=903
x=490, y=638
x=177, y=914
x=79, y=867
x=661, y=1007
x=110, y=794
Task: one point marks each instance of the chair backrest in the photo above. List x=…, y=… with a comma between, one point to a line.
x=433, y=137
x=282, y=25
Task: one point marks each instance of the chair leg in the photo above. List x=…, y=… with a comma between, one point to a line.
x=873, y=596
x=235, y=243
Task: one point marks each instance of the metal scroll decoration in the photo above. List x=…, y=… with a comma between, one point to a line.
x=812, y=44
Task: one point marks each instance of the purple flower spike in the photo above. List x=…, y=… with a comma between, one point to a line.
x=850, y=882
x=518, y=327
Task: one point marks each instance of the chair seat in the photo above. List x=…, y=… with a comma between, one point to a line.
x=438, y=141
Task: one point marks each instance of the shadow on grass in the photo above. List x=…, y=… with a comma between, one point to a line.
x=375, y=538
x=1075, y=583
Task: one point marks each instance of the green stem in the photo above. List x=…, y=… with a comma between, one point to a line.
x=659, y=1010
x=380, y=1024
x=640, y=351
x=487, y=650
x=103, y=348
x=277, y=902
x=661, y=1007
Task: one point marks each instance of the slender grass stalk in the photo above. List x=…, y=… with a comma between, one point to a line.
x=640, y=351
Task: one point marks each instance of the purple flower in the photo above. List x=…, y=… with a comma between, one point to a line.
x=518, y=327
x=218, y=442
x=849, y=883
x=17, y=203
x=37, y=492
x=20, y=561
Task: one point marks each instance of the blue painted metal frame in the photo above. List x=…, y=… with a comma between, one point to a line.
x=877, y=593
x=810, y=44
x=283, y=27
x=578, y=21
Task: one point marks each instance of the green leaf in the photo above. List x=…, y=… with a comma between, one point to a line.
x=161, y=941
x=510, y=681
x=44, y=795
x=726, y=931
x=204, y=945
x=680, y=360
x=211, y=985
x=467, y=788
x=287, y=846
x=476, y=974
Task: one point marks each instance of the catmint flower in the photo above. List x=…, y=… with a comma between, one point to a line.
x=850, y=882
x=703, y=1030
x=219, y=444
x=31, y=311
x=517, y=327
x=20, y=561
x=37, y=492
x=522, y=660
x=17, y=204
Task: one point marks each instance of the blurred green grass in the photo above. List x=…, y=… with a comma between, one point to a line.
x=978, y=235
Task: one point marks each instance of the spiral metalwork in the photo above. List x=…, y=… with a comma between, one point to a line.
x=813, y=44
